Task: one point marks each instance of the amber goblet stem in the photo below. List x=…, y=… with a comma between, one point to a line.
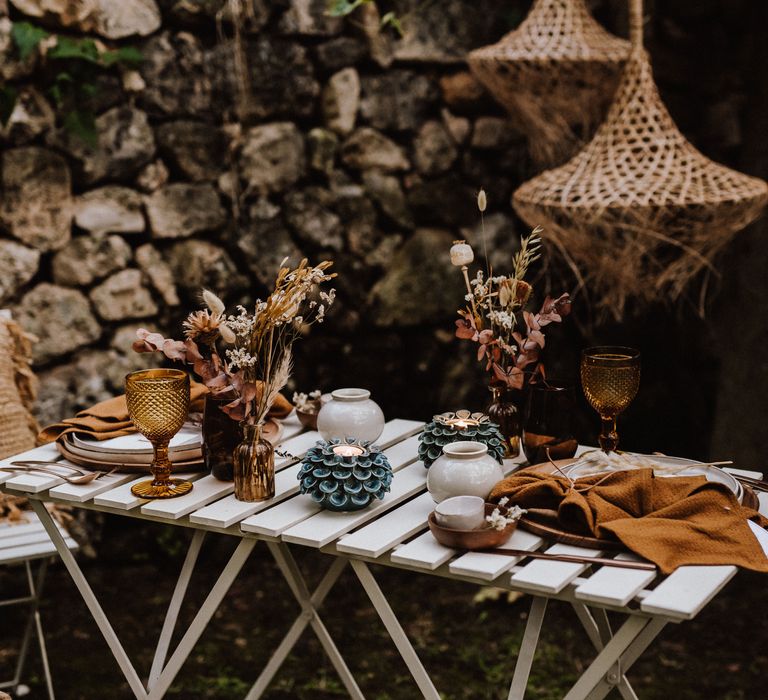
x=609, y=437
x=161, y=464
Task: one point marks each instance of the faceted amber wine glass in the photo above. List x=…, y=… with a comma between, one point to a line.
x=610, y=377
x=158, y=404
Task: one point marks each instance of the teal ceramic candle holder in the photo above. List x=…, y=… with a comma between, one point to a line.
x=345, y=475
x=459, y=426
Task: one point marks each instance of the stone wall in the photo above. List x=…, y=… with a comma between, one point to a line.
x=341, y=142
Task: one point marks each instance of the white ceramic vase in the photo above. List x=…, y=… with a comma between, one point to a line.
x=464, y=469
x=350, y=413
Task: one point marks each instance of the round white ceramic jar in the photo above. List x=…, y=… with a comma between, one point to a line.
x=464, y=469
x=350, y=413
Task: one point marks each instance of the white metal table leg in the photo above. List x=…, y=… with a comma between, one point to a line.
x=528, y=648
x=632, y=638
x=174, y=607
x=203, y=617
x=396, y=632
x=598, y=630
x=33, y=626
x=292, y=574
x=638, y=646
x=90, y=600
x=36, y=589
x=296, y=630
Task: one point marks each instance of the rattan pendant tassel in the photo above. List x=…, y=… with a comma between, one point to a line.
x=555, y=74
x=639, y=211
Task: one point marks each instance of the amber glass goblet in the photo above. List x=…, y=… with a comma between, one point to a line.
x=610, y=377
x=158, y=404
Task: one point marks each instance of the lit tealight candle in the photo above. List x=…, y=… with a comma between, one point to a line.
x=348, y=450
x=460, y=425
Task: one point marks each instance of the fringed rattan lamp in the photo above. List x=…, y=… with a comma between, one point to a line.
x=639, y=212
x=555, y=74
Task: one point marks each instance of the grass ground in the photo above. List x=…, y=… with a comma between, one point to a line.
x=468, y=647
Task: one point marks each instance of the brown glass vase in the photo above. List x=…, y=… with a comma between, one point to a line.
x=221, y=435
x=506, y=410
x=254, y=466
x=548, y=426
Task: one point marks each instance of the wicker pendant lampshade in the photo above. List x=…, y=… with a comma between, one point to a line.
x=639, y=212
x=555, y=74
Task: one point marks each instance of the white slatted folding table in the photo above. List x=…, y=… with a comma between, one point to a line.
x=392, y=532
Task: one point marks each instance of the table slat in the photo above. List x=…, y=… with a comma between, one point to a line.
x=327, y=525
x=32, y=483
x=275, y=520
x=121, y=497
x=424, y=552
x=610, y=585
x=228, y=511
x=687, y=590
x=552, y=576
x=393, y=528
x=291, y=426
x=33, y=551
x=487, y=566
x=297, y=446
x=35, y=537
x=44, y=453
x=80, y=493
x=205, y=490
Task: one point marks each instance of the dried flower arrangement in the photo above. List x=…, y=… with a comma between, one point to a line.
x=499, y=520
x=510, y=339
x=256, y=359
x=307, y=403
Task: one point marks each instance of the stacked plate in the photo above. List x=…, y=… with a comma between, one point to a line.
x=662, y=466
x=133, y=452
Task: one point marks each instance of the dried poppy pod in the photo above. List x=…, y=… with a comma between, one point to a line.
x=556, y=75
x=639, y=211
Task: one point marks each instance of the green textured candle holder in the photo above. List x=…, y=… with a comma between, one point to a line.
x=345, y=475
x=454, y=427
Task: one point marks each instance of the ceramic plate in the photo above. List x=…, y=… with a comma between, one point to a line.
x=668, y=467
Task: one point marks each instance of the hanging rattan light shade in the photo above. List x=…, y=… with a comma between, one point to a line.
x=639, y=212
x=555, y=74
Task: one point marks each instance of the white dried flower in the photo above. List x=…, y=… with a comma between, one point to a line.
x=213, y=302
x=239, y=357
x=482, y=200
x=227, y=334
x=461, y=254
x=499, y=521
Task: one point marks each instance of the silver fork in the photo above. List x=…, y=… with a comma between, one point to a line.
x=81, y=478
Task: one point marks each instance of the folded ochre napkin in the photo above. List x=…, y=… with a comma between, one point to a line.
x=669, y=521
x=109, y=419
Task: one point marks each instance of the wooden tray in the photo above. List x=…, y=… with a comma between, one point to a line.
x=570, y=538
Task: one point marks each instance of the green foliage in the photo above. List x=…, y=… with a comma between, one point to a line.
x=342, y=8
x=128, y=56
x=27, y=38
x=77, y=63
x=69, y=48
x=81, y=123
x=8, y=95
x=390, y=19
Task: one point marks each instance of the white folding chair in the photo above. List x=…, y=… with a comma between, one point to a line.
x=21, y=544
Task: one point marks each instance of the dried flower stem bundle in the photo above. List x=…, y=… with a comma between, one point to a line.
x=256, y=360
x=496, y=315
